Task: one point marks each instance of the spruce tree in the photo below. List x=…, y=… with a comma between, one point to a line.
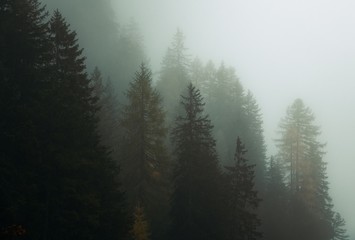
x=243, y=201
x=82, y=190
x=144, y=160
x=196, y=175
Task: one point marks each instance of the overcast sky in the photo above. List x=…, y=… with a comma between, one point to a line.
x=282, y=50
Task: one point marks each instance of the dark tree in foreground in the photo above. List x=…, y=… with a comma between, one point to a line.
x=196, y=175
x=243, y=200
x=275, y=202
x=24, y=49
x=144, y=157
x=78, y=161
x=57, y=182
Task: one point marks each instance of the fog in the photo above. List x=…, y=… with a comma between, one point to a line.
x=281, y=50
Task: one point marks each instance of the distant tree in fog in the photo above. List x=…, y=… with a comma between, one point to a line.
x=174, y=75
x=339, y=228
x=108, y=112
x=310, y=204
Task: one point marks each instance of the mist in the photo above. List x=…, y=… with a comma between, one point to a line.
x=252, y=64
x=281, y=50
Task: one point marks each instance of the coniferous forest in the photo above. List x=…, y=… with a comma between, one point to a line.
x=93, y=145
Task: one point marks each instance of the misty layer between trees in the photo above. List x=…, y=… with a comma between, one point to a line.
x=93, y=148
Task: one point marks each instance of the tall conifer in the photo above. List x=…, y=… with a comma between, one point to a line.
x=196, y=175
x=144, y=162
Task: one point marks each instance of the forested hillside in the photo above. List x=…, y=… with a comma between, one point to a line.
x=94, y=146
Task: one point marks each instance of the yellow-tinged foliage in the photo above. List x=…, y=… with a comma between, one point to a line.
x=140, y=229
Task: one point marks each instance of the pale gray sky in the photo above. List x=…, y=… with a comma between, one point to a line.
x=281, y=49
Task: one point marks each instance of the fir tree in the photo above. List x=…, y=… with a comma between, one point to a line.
x=243, y=201
x=196, y=175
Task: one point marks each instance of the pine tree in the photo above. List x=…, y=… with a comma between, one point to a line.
x=144, y=162
x=196, y=175
x=243, y=199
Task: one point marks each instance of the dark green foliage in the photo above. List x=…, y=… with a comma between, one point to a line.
x=145, y=165
x=243, y=222
x=59, y=183
x=196, y=177
x=275, y=212
x=24, y=52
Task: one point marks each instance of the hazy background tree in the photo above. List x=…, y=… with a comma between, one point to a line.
x=174, y=75
x=310, y=205
x=107, y=114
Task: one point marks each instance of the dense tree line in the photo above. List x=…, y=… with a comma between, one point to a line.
x=111, y=155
